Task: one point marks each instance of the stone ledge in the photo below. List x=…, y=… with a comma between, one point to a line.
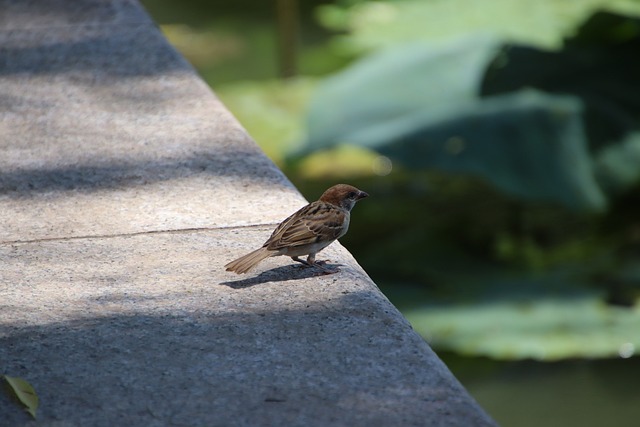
x=48, y=14
x=106, y=131
x=149, y=329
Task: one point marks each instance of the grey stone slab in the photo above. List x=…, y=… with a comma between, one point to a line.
x=108, y=142
x=150, y=330
x=106, y=130
x=21, y=14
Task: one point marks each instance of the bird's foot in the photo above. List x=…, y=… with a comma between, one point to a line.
x=301, y=261
x=320, y=265
x=326, y=269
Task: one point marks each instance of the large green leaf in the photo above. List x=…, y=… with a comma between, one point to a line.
x=600, y=65
x=618, y=166
x=527, y=144
x=387, y=87
x=549, y=316
x=374, y=24
x=420, y=106
x=544, y=329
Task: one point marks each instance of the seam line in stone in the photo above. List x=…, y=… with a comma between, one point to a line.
x=138, y=233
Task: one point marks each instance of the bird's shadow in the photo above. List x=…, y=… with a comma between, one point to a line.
x=283, y=274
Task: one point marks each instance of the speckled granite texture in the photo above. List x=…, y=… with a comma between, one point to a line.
x=125, y=186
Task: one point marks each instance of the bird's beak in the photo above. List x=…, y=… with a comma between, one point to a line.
x=362, y=195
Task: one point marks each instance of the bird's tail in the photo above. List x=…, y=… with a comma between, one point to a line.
x=248, y=261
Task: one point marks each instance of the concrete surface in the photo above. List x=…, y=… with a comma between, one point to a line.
x=125, y=186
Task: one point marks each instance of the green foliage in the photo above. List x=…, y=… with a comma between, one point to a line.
x=421, y=106
x=556, y=326
x=272, y=112
x=466, y=106
x=222, y=54
x=24, y=392
x=371, y=25
x=617, y=165
x=344, y=162
x=479, y=274
x=396, y=89
x=602, y=62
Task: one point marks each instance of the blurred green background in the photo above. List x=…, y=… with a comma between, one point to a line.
x=500, y=142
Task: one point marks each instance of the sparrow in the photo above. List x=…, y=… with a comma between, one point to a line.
x=307, y=231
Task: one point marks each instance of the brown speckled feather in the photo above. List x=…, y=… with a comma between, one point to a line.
x=316, y=221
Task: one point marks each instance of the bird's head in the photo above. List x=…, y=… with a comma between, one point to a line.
x=343, y=195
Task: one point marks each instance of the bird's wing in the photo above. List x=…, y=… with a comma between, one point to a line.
x=314, y=223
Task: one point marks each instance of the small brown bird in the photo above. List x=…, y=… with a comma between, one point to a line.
x=308, y=231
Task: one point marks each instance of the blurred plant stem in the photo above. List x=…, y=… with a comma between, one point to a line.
x=287, y=12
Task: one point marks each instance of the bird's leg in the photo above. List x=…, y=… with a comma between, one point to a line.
x=295, y=258
x=317, y=263
x=311, y=260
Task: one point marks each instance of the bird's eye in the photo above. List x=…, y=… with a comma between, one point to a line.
x=352, y=194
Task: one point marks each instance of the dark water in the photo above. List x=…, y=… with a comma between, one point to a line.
x=585, y=393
